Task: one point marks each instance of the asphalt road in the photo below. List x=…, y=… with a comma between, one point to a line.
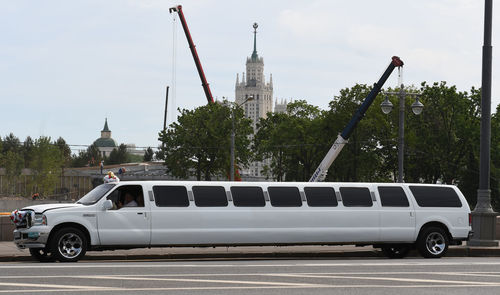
x=326, y=276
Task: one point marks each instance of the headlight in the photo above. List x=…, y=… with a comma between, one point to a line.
x=39, y=219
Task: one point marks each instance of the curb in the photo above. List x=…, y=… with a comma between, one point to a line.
x=215, y=256
x=461, y=251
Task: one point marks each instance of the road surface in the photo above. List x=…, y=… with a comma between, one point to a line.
x=326, y=276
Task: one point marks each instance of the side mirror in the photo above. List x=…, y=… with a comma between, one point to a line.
x=107, y=205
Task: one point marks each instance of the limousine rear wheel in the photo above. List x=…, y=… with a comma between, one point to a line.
x=69, y=244
x=433, y=242
x=396, y=251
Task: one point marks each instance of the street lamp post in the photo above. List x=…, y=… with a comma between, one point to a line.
x=416, y=107
x=231, y=169
x=483, y=216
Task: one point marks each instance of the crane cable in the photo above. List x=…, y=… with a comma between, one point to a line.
x=173, y=108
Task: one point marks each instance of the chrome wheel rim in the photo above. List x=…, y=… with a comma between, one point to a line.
x=70, y=245
x=435, y=243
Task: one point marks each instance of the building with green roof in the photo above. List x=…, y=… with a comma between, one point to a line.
x=105, y=143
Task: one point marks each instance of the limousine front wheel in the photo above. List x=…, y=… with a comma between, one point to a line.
x=69, y=244
x=433, y=242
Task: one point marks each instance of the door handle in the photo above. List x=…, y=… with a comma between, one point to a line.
x=139, y=213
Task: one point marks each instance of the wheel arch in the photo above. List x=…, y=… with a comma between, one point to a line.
x=74, y=225
x=435, y=224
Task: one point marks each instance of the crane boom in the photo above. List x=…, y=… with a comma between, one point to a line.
x=192, y=47
x=320, y=173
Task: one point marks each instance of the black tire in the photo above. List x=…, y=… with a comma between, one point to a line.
x=42, y=254
x=68, y=244
x=396, y=251
x=433, y=242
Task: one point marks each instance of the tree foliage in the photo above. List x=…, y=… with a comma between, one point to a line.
x=46, y=165
x=199, y=143
x=148, y=155
x=118, y=156
x=290, y=140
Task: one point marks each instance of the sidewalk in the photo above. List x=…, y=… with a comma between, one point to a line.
x=9, y=253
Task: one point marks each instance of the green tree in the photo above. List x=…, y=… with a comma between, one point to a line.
x=93, y=155
x=11, y=143
x=65, y=151
x=495, y=164
x=199, y=143
x=28, y=146
x=369, y=153
x=148, y=155
x=442, y=143
x=13, y=163
x=90, y=157
x=119, y=155
x=292, y=141
x=46, y=165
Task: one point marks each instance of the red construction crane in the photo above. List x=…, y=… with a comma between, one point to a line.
x=204, y=82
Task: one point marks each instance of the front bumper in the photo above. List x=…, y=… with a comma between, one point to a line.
x=34, y=237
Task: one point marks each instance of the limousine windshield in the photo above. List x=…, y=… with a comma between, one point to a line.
x=96, y=194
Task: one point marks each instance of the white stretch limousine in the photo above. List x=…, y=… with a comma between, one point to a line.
x=132, y=214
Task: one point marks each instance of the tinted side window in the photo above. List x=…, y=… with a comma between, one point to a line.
x=171, y=196
x=356, y=197
x=209, y=196
x=431, y=196
x=320, y=197
x=248, y=196
x=284, y=196
x=393, y=196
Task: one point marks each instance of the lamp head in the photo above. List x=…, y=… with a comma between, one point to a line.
x=417, y=107
x=386, y=105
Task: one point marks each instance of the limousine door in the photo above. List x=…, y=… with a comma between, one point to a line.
x=125, y=225
x=397, y=215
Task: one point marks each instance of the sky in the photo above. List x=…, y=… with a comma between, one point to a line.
x=65, y=66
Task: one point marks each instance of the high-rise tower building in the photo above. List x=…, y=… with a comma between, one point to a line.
x=253, y=83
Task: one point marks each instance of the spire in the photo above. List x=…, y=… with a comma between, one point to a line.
x=106, y=129
x=254, y=53
x=237, y=79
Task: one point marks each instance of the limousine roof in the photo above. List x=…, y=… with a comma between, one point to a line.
x=300, y=184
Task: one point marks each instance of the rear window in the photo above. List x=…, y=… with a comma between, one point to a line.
x=171, y=196
x=356, y=197
x=320, y=197
x=248, y=196
x=210, y=196
x=393, y=196
x=435, y=196
x=284, y=196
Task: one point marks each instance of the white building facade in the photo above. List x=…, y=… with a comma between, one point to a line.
x=254, y=84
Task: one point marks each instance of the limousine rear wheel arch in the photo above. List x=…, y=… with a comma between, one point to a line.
x=433, y=241
x=436, y=224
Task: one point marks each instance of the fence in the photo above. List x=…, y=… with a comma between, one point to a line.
x=66, y=188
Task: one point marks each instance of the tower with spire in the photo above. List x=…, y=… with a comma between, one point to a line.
x=105, y=144
x=254, y=84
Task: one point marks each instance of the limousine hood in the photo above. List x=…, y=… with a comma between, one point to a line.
x=46, y=207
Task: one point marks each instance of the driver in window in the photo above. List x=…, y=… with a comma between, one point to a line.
x=128, y=202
